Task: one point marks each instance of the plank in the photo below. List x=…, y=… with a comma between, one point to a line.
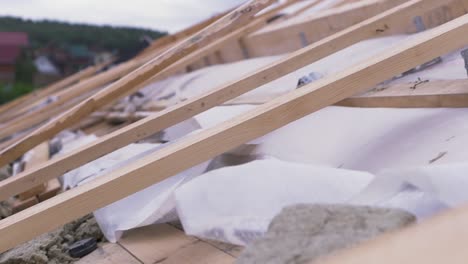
x=173, y=115
x=290, y=35
x=39, y=155
x=127, y=84
x=200, y=147
x=67, y=98
x=441, y=239
x=109, y=253
x=420, y=94
x=28, y=99
x=305, y=8
x=179, y=36
x=152, y=244
x=199, y=253
x=441, y=93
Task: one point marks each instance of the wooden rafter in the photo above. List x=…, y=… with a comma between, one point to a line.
x=292, y=35
x=197, y=148
x=171, y=116
x=420, y=94
x=129, y=83
x=19, y=106
x=439, y=240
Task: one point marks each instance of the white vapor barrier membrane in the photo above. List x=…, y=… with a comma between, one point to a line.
x=412, y=159
x=187, y=86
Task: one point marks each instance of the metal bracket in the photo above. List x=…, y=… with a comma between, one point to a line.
x=304, y=40
x=311, y=77
x=419, y=23
x=464, y=54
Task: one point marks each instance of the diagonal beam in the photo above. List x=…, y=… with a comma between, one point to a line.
x=128, y=83
x=195, y=149
x=171, y=116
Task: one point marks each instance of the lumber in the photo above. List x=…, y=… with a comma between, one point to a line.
x=197, y=148
x=194, y=106
x=65, y=97
x=305, y=8
x=419, y=94
x=173, y=38
x=152, y=244
x=26, y=100
x=109, y=253
x=441, y=239
x=39, y=155
x=291, y=35
x=422, y=94
x=127, y=84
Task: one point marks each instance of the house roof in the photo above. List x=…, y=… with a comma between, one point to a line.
x=13, y=39
x=8, y=54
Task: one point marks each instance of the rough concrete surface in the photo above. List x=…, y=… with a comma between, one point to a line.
x=52, y=248
x=302, y=233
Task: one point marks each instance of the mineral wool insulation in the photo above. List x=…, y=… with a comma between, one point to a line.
x=413, y=159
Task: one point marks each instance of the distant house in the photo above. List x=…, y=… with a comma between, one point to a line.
x=67, y=58
x=11, y=44
x=46, y=72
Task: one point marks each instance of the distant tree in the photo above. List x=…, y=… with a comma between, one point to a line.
x=124, y=40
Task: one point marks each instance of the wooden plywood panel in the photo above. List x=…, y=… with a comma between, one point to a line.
x=109, y=254
x=155, y=243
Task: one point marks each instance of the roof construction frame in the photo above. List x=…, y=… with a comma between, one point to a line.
x=131, y=82
x=180, y=112
x=265, y=118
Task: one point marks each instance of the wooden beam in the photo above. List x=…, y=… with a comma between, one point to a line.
x=443, y=93
x=180, y=112
x=12, y=109
x=305, y=8
x=127, y=84
x=168, y=40
x=442, y=239
x=292, y=34
x=197, y=148
x=39, y=155
x=420, y=94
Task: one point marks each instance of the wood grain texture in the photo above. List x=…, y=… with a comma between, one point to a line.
x=19, y=106
x=39, y=155
x=200, y=147
x=65, y=99
x=127, y=84
x=109, y=254
x=284, y=37
x=441, y=93
x=194, y=106
x=441, y=239
x=153, y=244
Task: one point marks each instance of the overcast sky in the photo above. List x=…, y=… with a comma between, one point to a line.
x=167, y=15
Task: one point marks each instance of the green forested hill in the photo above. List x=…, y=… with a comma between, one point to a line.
x=124, y=40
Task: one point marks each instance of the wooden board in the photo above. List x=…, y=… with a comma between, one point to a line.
x=18, y=106
x=171, y=116
x=166, y=244
x=420, y=94
x=129, y=83
x=290, y=35
x=155, y=243
x=423, y=94
x=200, y=147
x=442, y=239
x=39, y=155
x=109, y=253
